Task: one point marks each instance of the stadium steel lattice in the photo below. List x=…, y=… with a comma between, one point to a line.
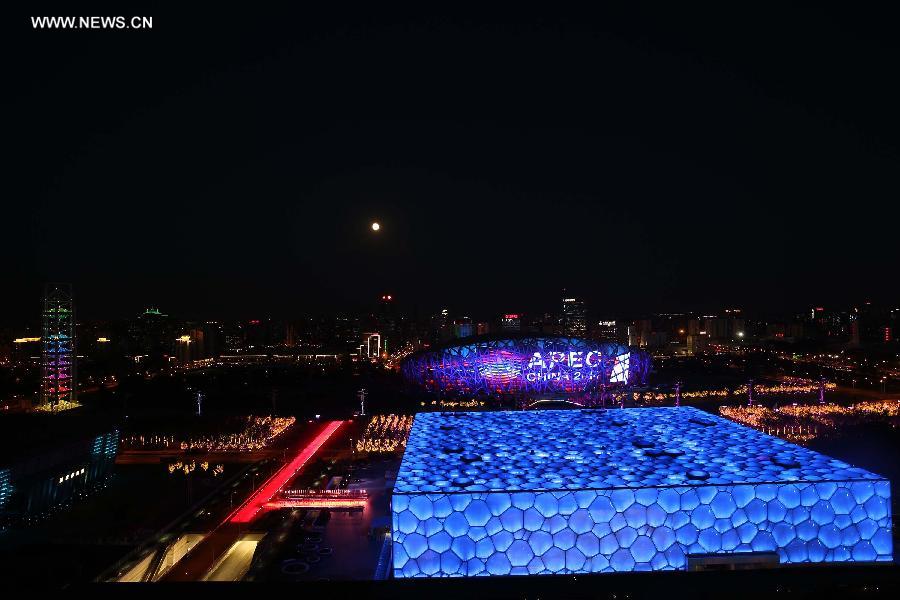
x=526, y=364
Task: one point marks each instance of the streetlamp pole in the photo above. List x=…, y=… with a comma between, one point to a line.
x=361, y=394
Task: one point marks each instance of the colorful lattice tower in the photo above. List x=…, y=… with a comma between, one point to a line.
x=58, y=345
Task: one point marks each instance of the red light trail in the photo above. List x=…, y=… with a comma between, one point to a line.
x=248, y=511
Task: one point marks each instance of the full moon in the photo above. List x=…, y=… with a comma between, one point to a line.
x=376, y=226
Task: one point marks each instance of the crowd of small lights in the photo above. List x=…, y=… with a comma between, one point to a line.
x=454, y=404
x=793, y=386
x=865, y=368
x=59, y=406
x=188, y=468
x=385, y=433
x=804, y=422
x=323, y=502
x=314, y=492
x=314, y=498
x=397, y=356
x=239, y=361
x=257, y=433
x=784, y=388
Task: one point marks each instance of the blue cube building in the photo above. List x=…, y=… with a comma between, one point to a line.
x=589, y=491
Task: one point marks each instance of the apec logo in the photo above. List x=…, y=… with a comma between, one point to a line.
x=574, y=359
x=575, y=365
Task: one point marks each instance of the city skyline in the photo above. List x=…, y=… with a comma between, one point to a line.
x=552, y=307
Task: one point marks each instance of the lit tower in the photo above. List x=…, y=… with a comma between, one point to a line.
x=361, y=394
x=574, y=317
x=58, y=345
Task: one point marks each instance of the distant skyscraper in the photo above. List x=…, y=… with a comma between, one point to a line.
x=440, y=325
x=463, y=327
x=151, y=333
x=58, y=345
x=385, y=321
x=574, y=316
x=184, y=349
x=371, y=346
x=695, y=344
x=607, y=330
x=639, y=333
x=511, y=322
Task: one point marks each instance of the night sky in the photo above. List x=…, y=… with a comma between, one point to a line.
x=229, y=165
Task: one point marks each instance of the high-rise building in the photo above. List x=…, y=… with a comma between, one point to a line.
x=213, y=339
x=184, y=349
x=463, y=327
x=371, y=346
x=511, y=322
x=25, y=349
x=695, y=344
x=385, y=319
x=58, y=345
x=639, y=333
x=440, y=325
x=574, y=317
x=151, y=334
x=607, y=330
x=233, y=335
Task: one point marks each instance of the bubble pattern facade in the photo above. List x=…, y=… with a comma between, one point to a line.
x=597, y=491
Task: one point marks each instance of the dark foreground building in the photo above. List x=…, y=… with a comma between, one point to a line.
x=47, y=461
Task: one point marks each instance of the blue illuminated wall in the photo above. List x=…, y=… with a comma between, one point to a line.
x=549, y=492
x=6, y=488
x=530, y=363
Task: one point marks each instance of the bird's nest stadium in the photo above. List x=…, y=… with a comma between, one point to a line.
x=526, y=364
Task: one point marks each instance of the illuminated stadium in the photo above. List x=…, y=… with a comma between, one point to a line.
x=592, y=491
x=522, y=364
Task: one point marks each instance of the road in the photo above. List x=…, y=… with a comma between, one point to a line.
x=204, y=558
x=236, y=561
x=248, y=511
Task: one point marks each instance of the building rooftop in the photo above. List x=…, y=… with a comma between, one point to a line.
x=555, y=450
